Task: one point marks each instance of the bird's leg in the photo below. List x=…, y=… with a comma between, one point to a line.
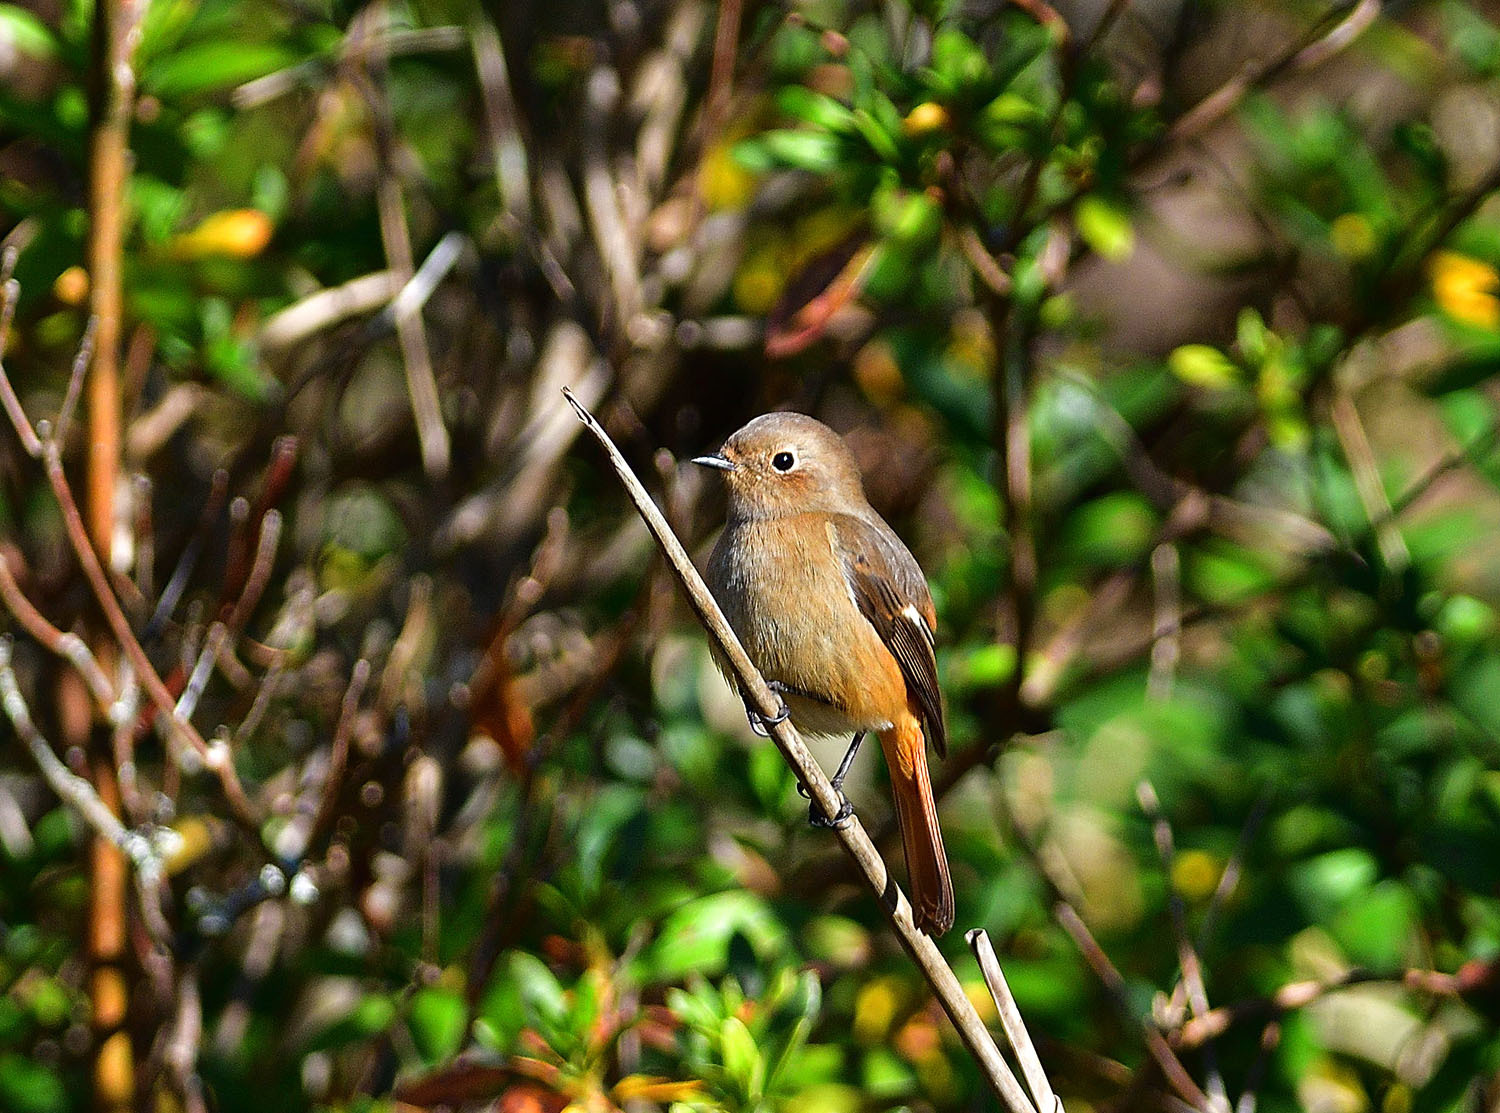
x=815, y=814
x=758, y=722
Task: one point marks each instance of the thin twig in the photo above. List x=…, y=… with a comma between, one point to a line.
x=395, y=237
x=1300, y=58
x=160, y=696
x=1011, y=1023
x=260, y=570
x=852, y=836
x=325, y=308
x=75, y=380
x=338, y=757
x=1295, y=995
x=617, y=248
x=183, y=1047
x=1367, y=483
x=66, y=645
x=73, y=790
x=507, y=144
x=197, y=680
x=187, y=561
x=1166, y=626
x=1160, y=1050
x=1187, y=954
x=10, y=292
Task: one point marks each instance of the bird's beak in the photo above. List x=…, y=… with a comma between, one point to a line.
x=715, y=462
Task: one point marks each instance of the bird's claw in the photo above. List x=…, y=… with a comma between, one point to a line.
x=817, y=817
x=760, y=724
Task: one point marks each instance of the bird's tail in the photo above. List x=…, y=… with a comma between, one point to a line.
x=921, y=837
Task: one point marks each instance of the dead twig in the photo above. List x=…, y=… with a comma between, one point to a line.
x=1012, y=1024
x=1162, y=1052
x=1304, y=56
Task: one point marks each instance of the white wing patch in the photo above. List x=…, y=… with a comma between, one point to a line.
x=915, y=617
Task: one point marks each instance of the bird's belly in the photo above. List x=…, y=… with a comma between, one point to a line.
x=797, y=620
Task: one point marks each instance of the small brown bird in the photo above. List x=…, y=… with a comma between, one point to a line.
x=836, y=614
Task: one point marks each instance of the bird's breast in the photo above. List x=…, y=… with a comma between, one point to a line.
x=782, y=586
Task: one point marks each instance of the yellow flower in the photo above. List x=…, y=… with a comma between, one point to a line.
x=1464, y=288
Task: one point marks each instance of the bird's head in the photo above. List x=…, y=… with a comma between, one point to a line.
x=787, y=463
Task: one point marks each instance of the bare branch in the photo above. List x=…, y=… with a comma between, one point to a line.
x=70, y=788
x=69, y=646
x=1011, y=1022
x=10, y=291
x=1161, y=1051
x=75, y=379
x=1300, y=58
x=152, y=682
x=1187, y=954
x=302, y=319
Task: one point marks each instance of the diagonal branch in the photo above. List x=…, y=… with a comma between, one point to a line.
x=855, y=841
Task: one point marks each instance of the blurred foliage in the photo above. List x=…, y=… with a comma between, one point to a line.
x=1167, y=334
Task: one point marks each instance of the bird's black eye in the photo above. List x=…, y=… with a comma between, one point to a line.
x=784, y=461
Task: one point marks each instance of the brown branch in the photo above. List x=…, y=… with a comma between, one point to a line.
x=116, y=32
x=1295, y=995
x=1012, y=1024
x=10, y=292
x=260, y=571
x=1187, y=955
x=1304, y=56
x=71, y=789
x=395, y=238
x=852, y=837
x=68, y=646
x=216, y=758
x=338, y=757
x=1156, y=1044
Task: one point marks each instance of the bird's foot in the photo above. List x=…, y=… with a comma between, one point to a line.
x=817, y=817
x=759, y=723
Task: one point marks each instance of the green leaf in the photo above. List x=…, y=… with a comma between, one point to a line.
x=818, y=109
x=211, y=66
x=1113, y=531
x=1378, y=928
x=27, y=1087
x=1106, y=228
x=696, y=937
x=908, y=217
x=957, y=60
x=1251, y=336
x=437, y=1023
x=882, y=140
x=742, y=1059
x=1205, y=366
x=814, y=151
x=24, y=32
x=1324, y=883
x=540, y=990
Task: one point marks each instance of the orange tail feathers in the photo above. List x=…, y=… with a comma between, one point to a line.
x=921, y=837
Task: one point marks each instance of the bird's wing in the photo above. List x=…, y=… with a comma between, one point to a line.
x=891, y=592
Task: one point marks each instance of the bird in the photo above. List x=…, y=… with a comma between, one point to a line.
x=836, y=614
